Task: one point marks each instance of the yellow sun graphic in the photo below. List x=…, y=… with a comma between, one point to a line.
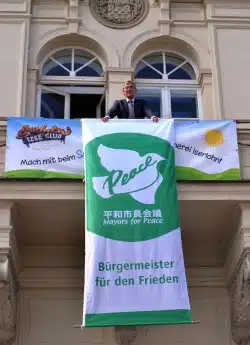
x=214, y=137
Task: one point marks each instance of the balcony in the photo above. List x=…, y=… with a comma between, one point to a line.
x=47, y=219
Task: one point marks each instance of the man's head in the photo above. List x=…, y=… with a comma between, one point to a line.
x=129, y=89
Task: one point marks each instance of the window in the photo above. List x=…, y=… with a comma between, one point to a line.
x=168, y=83
x=72, y=63
x=71, y=85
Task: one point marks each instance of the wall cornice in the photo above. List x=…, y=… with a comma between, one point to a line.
x=14, y=190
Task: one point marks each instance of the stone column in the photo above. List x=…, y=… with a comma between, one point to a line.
x=73, y=18
x=238, y=277
x=165, y=22
x=207, y=96
x=8, y=276
x=31, y=97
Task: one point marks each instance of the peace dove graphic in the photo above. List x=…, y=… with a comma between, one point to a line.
x=142, y=185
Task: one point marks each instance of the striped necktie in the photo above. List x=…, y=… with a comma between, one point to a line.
x=131, y=111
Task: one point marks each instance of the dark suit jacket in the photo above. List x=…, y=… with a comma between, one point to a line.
x=120, y=109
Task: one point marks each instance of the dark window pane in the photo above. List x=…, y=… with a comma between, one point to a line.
x=155, y=60
x=53, y=69
x=82, y=54
x=80, y=64
x=170, y=67
x=87, y=72
x=153, y=99
x=158, y=66
x=59, y=71
x=52, y=105
x=147, y=73
x=180, y=74
x=185, y=72
x=184, y=106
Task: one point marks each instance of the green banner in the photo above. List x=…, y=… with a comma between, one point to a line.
x=134, y=269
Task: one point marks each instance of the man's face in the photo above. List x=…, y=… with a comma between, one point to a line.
x=129, y=91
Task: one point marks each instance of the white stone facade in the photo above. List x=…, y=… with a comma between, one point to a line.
x=42, y=223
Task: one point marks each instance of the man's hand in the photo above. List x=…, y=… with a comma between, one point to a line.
x=155, y=119
x=105, y=118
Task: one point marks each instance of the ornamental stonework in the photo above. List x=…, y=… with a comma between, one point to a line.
x=119, y=14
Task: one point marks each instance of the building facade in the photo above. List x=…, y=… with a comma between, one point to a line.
x=69, y=59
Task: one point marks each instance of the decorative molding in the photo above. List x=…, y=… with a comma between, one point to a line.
x=84, y=2
x=154, y=3
x=240, y=244
x=130, y=335
x=125, y=335
x=9, y=6
x=165, y=9
x=32, y=74
x=17, y=17
x=237, y=275
x=119, y=14
x=3, y=130
x=198, y=48
x=47, y=10
x=204, y=80
x=8, y=304
x=235, y=10
x=165, y=21
x=186, y=23
x=12, y=1
x=73, y=19
x=40, y=45
x=240, y=306
x=119, y=75
x=189, y=12
x=8, y=278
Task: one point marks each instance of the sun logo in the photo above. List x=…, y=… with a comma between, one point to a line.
x=214, y=137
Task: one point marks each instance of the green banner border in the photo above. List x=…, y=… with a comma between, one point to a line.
x=156, y=317
x=42, y=174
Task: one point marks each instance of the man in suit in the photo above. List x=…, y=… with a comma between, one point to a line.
x=130, y=107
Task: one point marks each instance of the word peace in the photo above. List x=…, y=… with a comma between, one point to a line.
x=118, y=176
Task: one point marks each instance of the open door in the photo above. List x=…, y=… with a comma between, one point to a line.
x=52, y=103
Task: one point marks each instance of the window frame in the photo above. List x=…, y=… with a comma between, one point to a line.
x=166, y=51
x=59, y=92
x=71, y=79
x=166, y=85
x=165, y=94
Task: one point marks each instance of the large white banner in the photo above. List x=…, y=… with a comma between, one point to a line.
x=134, y=269
x=47, y=148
